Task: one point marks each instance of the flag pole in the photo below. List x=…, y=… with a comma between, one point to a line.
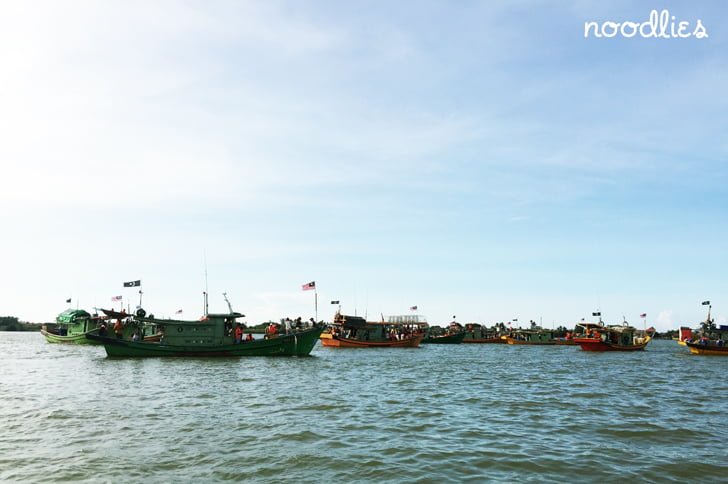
x=315, y=302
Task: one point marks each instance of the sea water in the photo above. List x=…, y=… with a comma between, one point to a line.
x=439, y=413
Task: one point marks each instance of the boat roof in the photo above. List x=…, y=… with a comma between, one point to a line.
x=203, y=319
x=71, y=315
x=226, y=315
x=407, y=319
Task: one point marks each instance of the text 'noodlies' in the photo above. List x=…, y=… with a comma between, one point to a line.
x=660, y=25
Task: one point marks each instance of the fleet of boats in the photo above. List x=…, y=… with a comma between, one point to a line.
x=139, y=335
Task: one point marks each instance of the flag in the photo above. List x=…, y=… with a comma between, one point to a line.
x=68, y=300
x=413, y=308
x=706, y=303
x=132, y=283
x=598, y=313
x=309, y=286
x=179, y=311
x=334, y=302
x=643, y=315
x=116, y=298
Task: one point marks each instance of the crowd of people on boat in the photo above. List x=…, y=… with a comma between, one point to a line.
x=705, y=341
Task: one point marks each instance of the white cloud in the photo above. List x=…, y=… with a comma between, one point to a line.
x=665, y=319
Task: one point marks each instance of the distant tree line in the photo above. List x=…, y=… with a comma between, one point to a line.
x=12, y=323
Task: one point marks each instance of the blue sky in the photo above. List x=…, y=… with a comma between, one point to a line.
x=477, y=159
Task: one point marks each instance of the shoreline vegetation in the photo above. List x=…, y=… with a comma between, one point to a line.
x=12, y=323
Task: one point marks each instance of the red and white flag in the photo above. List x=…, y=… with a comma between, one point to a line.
x=116, y=298
x=309, y=286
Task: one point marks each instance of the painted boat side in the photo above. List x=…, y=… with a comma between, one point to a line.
x=513, y=341
x=710, y=350
x=79, y=339
x=596, y=344
x=497, y=340
x=295, y=344
x=339, y=342
x=450, y=339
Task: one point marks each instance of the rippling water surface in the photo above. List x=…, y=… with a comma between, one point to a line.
x=434, y=414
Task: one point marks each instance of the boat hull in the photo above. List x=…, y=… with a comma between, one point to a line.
x=295, y=344
x=497, y=340
x=712, y=350
x=596, y=344
x=338, y=342
x=514, y=341
x=79, y=339
x=450, y=339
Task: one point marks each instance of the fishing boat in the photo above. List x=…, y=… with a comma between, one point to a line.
x=710, y=338
x=211, y=336
x=533, y=336
x=615, y=337
x=356, y=332
x=72, y=326
x=705, y=346
x=477, y=333
x=452, y=335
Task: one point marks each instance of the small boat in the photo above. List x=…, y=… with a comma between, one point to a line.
x=72, y=326
x=534, y=336
x=709, y=340
x=357, y=332
x=615, y=337
x=478, y=333
x=438, y=335
x=705, y=346
x=209, y=336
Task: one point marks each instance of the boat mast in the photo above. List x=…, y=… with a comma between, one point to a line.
x=204, y=254
x=230, y=307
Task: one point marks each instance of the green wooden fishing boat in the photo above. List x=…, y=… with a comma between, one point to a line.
x=452, y=335
x=210, y=336
x=436, y=338
x=478, y=333
x=72, y=326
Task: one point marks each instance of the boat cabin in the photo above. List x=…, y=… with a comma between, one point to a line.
x=73, y=321
x=210, y=330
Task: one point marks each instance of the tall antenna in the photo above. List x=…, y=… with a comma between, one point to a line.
x=204, y=254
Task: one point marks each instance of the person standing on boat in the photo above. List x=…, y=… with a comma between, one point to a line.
x=119, y=329
x=272, y=331
x=238, y=334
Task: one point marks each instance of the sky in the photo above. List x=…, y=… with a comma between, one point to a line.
x=480, y=160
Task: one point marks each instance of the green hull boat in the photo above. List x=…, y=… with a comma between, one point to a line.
x=209, y=337
x=79, y=339
x=72, y=326
x=448, y=339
